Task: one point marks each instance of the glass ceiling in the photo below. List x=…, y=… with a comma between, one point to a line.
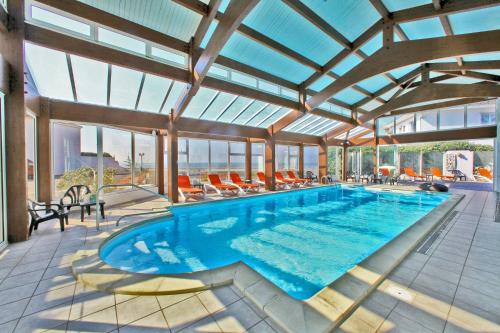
x=312, y=125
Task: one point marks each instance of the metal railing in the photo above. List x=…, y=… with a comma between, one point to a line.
x=98, y=213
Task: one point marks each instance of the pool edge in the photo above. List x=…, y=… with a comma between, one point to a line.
x=320, y=313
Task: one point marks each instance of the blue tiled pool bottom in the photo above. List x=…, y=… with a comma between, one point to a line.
x=300, y=240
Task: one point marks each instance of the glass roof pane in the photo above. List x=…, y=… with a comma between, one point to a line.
x=235, y=109
x=349, y=17
x=221, y=103
x=60, y=21
x=374, y=83
x=461, y=80
x=373, y=104
x=428, y=28
x=319, y=127
x=275, y=117
x=349, y=96
x=259, y=118
x=121, y=41
x=167, y=17
x=91, y=80
x=395, y=5
x=200, y=102
x=124, y=87
x=387, y=96
x=400, y=72
x=321, y=83
x=169, y=56
x=298, y=122
x=281, y=23
x=173, y=96
x=347, y=64
x=312, y=124
x=476, y=20
x=482, y=57
x=269, y=87
x=244, y=79
x=249, y=112
x=251, y=53
x=50, y=72
x=153, y=93
x=326, y=129
x=373, y=45
x=209, y=33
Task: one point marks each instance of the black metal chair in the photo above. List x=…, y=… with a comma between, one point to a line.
x=41, y=212
x=311, y=176
x=76, y=195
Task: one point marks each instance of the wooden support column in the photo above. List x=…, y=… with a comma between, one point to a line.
x=301, y=160
x=248, y=159
x=173, y=155
x=160, y=162
x=12, y=51
x=44, y=152
x=345, y=161
x=375, y=164
x=323, y=159
x=270, y=163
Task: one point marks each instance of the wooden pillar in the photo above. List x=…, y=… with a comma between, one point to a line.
x=248, y=159
x=388, y=33
x=12, y=51
x=301, y=160
x=160, y=162
x=345, y=161
x=270, y=164
x=173, y=156
x=44, y=152
x=323, y=159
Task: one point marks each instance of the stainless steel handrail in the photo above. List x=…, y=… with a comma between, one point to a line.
x=98, y=213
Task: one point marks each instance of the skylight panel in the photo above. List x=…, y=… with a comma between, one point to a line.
x=400, y=72
x=374, y=83
x=125, y=85
x=50, y=72
x=290, y=94
x=321, y=83
x=153, y=93
x=269, y=87
x=209, y=33
x=373, y=104
x=66, y=23
x=461, y=80
x=200, y=102
x=482, y=57
x=275, y=117
x=326, y=129
x=346, y=65
x=349, y=96
x=173, y=96
x=236, y=108
x=249, y=112
x=476, y=20
x=221, y=103
x=244, y=79
x=395, y=5
x=91, y=80
x=121, y=41
x=388, y=95
x=421, y=29
x=313, y=124
x=218, y=72
x=373, y=45
x=169, y=56
x=263, y=115
x=296, y=123
x=319, y=127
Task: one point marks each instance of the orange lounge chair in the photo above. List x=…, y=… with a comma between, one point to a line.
x=235, y=178
x=186, y=189
x=292, y=176
x=219, y=185
x=485, y=173
x=262, y=179
x=411, y=173
x=436, y=172
x=279, y=177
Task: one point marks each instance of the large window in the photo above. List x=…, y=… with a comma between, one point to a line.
x=145, y=159
x=117, y=155
x=237, y=157
x=311, y=159
x=258, y=158
x=481, y=114
x=426, y=121
x=31, y=165
x=451, y=118
x=219, y=158
x=198, y=159
x=335, y=161
x=388, y=157
x=287, y=157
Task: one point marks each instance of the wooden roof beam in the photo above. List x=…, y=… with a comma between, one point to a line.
x=475, y=75
x=206, y=20
x=434, y=106
x=467, y=65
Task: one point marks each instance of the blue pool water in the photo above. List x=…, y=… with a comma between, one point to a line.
x=300, y=240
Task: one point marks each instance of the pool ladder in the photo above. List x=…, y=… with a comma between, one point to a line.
x=168, y=212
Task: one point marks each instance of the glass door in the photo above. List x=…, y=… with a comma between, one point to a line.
x=3, y=226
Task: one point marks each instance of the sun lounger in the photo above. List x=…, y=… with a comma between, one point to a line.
x=436, y=172
x=262, y=180
x=223, y=187
x=483, y=172
x=279, y=177
x=186, y=189
x=412, y=174
x=292, y=176
x=235, y=178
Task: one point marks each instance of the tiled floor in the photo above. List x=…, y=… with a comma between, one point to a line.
x=454, y=288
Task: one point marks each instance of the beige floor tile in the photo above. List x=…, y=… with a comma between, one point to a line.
x=481, y=275
x=206, y=325
x=217, y=299
x=463, y=316
x=398, y=323
x=30, y=267
x=481, y=301
x=56, y=282
x=136, y=308
x=237, y=317
x=102, y=321
x=184, y=313
x=50, y=299
x=21, y=279
x=154, y=323
x=169, y=300
x=429, y=317
x=44, y=320
x=12, y=310
x=94, y=302
x=15, y=294
x=442, y=274
x=8, y=327
x=261, y=327
x=434, y=284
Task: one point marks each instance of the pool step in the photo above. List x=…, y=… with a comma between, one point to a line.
x=424, y=247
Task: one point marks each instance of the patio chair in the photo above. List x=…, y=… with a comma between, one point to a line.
x=40, y=212
x=387, y=177
x=311, y=176
x=186, y=189
x=412, y=174
x=262, y=180
x=235, y=178
x=483, y=172
x=77, y=195
x=223, y=187
x=436, y=172
x=293, y=182
x=292, y=176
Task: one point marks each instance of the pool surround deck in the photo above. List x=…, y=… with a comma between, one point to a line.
x=321, y=313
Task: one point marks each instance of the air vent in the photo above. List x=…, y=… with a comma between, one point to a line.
x=427, y=243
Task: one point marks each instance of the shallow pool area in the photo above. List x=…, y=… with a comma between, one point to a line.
x=299, y=240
